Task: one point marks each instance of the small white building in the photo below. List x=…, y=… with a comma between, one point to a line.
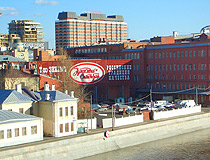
x=17, y=128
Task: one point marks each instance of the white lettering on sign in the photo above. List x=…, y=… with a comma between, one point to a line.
x=52, y=69
x=118, y=72
x=87, y=73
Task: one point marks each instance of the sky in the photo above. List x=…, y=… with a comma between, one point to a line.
x=145, y=18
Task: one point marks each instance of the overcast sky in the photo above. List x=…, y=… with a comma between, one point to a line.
x=145, y=18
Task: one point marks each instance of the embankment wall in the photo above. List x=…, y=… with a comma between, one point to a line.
x=91, y=144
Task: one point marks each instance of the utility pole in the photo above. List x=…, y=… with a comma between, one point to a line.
x=151, y=96
x=196, y=95
x=91, y=110
x=112, y=119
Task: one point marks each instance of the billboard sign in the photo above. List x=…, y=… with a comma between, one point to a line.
x=87, y=73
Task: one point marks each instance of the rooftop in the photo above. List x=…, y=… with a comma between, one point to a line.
x=54, y=96
x=11, y=117
x=90, y=16
x=13, y=97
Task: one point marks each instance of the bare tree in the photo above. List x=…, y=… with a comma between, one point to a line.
x=80, y=91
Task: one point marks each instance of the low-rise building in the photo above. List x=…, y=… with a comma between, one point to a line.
x=17, y=128
x=59, y=111
x=13, y=100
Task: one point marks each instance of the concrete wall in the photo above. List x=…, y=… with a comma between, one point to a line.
x=176, y=112
x=107, y=122
x=90, y=144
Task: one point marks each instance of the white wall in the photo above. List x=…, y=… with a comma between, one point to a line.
x=176, y=112
x=87, y=123
x=65, y=119
x=21, y=139
x=107, y=122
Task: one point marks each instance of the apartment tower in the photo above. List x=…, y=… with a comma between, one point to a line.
x=88, y=29
x=27, y=30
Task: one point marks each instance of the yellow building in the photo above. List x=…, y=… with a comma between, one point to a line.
x=11, y=78
x=59, y=112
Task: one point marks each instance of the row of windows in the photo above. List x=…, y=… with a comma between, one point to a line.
x=177, y=67
x=177, y=86
x=91, y=29
x=66, y=129
x=66, y=111
x=90, y=24
x=166, y=77
x=132, y=56
x=178, y=54
x=95, y=50
x=17, y=132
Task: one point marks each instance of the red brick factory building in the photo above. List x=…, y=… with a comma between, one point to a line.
x=173, y=70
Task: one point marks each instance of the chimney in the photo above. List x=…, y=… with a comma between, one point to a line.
x=72, y=94
x=66, y=91
x=46, y=87
x=18, y=88
x=53, y=87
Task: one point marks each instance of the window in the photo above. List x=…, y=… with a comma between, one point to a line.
x=182, y=77
x=66, y=111
x=155, y=55
x=137, y=55
x=72, y=110
x=194, y=67
x=170, y=54
x=186, y=54
x=16, y=132
x=60, y=112
x=61, y=128
x=190, y=77
x=66, y=127
x=33, y=129
x=72, y=126
x=159, y=67
x=178, y=54
x=1, y=134
x=194, y=54
x=24, y=132
x=178, y=67
x=20, y=110
x=186, y=67
x=174, y=54
x=190, y=54
x=9, y=133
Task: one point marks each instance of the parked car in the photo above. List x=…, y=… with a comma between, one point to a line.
x=130, y=110
x=95, y=107
x=141, y=104
x=101, y=109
